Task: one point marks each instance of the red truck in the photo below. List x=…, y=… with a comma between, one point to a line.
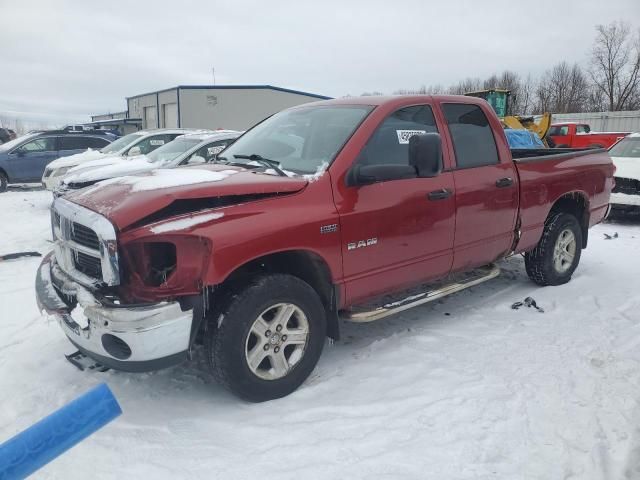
x=349, y=209
x=579, y=135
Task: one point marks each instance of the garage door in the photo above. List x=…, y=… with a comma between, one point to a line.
x=150, y=117
x=170, y=115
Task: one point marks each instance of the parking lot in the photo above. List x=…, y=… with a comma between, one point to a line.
x=466, y=387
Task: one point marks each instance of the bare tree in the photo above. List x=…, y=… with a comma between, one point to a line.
x=467, y=85
x=615, y=64
x=563, y=89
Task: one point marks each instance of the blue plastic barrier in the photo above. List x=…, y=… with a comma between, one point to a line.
x=36, y=446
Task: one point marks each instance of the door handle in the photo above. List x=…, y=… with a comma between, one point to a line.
x=504, y=182
x=439, y=194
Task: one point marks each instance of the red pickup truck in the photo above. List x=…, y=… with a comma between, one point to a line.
x=349, y=209
x=579, y=135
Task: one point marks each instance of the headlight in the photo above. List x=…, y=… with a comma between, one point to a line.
x=61, y=171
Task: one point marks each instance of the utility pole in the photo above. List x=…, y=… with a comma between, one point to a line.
x=213, y=72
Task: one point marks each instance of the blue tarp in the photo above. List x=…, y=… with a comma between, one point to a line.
x=523, y=139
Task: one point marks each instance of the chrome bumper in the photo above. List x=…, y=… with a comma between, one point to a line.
x=625, y=199
x=132, y=338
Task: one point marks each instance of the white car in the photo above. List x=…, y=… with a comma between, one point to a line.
x=188, y=149
x=142, y=142
x=626, y=157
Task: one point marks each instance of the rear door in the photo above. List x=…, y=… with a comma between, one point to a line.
x=486, y=189
x=72, y=144
x=26, y=163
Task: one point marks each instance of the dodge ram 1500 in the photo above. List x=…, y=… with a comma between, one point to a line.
x=350, y=209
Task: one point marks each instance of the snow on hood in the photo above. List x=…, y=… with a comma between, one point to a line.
x=627, y=167
x=76, y=159
x=126, y=200
x=110, y=167
x=186, y=222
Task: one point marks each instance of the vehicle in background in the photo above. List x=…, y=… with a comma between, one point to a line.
x=6, y=135
x=138, y=143
x=356, y=208
x=579, y=135
x=625, y=154
x=24, y=159
x=91, y=128
x=188, y=149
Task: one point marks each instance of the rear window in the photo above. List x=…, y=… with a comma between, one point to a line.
x=472, y=136
x=558, y=130
x=73, y=142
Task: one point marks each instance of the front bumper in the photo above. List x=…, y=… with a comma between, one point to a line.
x=132, y=338
x=51, y=183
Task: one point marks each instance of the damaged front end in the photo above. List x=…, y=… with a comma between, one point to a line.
x=78, y=285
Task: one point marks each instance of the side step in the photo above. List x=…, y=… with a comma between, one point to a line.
x=392, y=304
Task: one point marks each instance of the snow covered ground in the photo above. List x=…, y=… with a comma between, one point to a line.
x=464, y=388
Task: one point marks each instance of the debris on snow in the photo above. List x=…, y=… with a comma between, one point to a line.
x=528, y=302
x=610, y=237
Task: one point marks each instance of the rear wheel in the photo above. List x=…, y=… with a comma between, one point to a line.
x=268, y=338
x=557, y=255
x=3, y=182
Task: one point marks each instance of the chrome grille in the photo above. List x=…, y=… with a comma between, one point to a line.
x=629, y=186
x=85, y=244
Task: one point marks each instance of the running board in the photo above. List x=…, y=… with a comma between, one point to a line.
x=392, y=304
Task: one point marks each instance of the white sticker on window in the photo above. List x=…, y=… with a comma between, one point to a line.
x=215, y=150
x=405, y=135
x=156, y=143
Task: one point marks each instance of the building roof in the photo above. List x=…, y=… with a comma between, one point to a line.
x=233, y=87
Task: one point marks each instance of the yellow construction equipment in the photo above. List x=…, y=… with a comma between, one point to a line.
x=499, y=100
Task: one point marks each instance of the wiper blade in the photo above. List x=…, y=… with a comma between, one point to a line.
x=266, y=162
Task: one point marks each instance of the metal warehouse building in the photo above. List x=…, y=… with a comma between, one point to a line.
x=235, y=107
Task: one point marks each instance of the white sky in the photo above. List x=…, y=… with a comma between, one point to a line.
x=66, y=60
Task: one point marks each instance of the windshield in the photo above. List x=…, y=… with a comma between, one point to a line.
x=303, y=140
x=627, y=147
x=172, y=150
x=17, y=141
x=121, y=143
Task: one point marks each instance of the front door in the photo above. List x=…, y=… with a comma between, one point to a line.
x=27, y=162
x=396, y=233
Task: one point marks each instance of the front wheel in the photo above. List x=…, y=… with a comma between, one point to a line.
x=557, y=254
x=268, y=338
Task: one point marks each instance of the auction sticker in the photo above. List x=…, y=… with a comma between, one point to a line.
x=405, y=135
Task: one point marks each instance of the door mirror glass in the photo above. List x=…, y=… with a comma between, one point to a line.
x=368, y=174
x=134, y=151
x=425, y=154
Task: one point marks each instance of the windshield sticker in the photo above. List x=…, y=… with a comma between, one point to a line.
x=156, y=143
x=215, y=150
x=405, y=135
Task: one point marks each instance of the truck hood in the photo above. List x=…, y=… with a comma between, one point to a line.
x=76, y=159
x=627, y=167
x=164, y=193
x=109, y=167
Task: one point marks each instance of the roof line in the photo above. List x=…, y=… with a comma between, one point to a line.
x=233, y=87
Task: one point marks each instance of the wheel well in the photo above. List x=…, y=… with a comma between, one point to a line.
x=2, y=171
x=303, y=264
x=577, y=205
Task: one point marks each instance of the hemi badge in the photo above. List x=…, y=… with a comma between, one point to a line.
x=329, y=228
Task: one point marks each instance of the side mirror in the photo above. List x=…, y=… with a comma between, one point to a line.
x=20, y=152
x=134, y=152
x=368, y=174
x=425, y=154
x=196, y=160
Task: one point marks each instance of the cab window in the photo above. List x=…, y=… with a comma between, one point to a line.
x=472, y=136
x=583, y=129
x=389, y=144
x=559, y=131
x=149, y=144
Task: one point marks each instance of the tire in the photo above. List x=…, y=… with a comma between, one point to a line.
x=231, y=341
x=3, y=182
x=546, y=264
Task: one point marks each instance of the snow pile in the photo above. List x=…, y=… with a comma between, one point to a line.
x=186, y=222
x=76, y=159
x=116, y=167
x=463, y=388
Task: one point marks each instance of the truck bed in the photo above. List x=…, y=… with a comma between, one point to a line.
x=546, y=175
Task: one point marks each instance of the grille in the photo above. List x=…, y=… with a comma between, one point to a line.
x=88, y=265
x=84, y=236
x=77, y=185
x=627, y=185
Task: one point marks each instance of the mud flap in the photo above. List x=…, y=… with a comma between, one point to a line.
x=82, y=362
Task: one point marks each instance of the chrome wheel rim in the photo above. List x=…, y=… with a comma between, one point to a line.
x=277, y=341
x=564, y=251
